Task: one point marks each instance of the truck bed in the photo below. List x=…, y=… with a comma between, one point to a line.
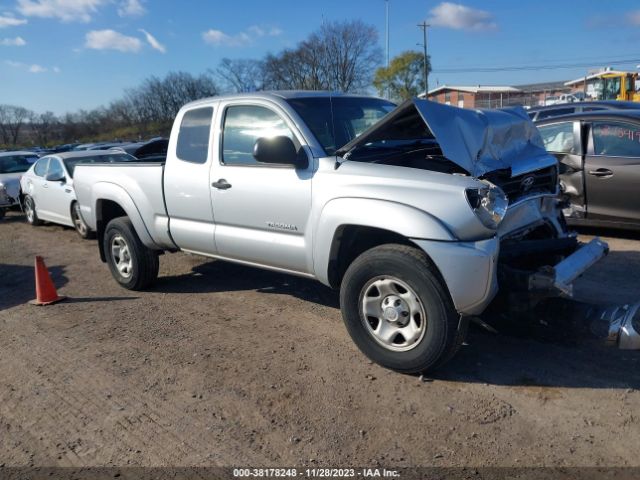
x=138, y=184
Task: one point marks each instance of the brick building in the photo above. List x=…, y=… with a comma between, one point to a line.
x=479, y=96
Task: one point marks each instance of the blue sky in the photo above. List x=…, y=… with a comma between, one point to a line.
x=62, y=55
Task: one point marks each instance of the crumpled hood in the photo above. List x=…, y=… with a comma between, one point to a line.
x=479, y=141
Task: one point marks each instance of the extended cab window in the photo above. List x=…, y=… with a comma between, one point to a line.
x=41, y=167
x=558, y=137
x=193, y=137
x=243, y=126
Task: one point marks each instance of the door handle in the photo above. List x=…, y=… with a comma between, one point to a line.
x=221, y=184
x=601, y=172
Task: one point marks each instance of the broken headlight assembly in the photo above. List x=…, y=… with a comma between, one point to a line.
x=489, y=203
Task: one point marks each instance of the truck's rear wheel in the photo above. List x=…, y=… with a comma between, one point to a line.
x=397, y=309
x=132, y=264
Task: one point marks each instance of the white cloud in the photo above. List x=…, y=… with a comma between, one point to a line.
x=10, y=21
x=56, y=70
x=31, y=68
x=459, y=17
x=131, y=8
x=155, y=44
x=13, y=42
x=634, y=17
x=65, y=10
x=220, y=38
x=112, y=40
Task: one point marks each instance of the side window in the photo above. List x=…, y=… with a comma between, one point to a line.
x=55, y=168
x=558, y=137
x=193, y=137
x=41, y=167
x=616, y=139
x=243, y=126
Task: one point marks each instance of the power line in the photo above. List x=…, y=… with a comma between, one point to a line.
x=527, y=67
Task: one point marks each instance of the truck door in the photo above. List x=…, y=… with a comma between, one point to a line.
x=565, y=141
x=186, y=181
x=261, y=210
x=612, y=168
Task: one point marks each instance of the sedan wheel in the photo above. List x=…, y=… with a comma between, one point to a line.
x=30, y=211
x=81, y=227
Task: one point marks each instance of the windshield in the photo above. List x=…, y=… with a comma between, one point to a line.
x=351, y=116
x=71, y=163
x=16, y=163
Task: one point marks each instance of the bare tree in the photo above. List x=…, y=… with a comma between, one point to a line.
x=43, y=126
x=351, y=54
x=12, y=119
x=241, y=75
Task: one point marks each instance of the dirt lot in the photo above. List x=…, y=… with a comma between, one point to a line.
x=226, y=365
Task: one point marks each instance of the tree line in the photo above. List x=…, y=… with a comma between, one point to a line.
x=339, y=56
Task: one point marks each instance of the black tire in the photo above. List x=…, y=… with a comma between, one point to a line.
x=3, y=212
x=440, y=338
x=82, y=228
x=30, y=211
x=144, y=262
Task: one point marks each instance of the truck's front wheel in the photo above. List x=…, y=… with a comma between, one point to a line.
x=132, y=264
x=398, y=311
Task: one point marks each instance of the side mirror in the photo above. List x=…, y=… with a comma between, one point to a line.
x=279, y=150
x=55, y=177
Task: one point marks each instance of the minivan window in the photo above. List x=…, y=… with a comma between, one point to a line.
x=243, y=126
x=193, y=136
x=616, y=139
x=558, y=137
x=41, y=167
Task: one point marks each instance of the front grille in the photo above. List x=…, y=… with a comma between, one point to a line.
x=544, y=181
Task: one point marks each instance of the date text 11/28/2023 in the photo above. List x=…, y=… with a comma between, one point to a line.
x=314, y=473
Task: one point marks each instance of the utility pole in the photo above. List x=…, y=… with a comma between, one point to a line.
x=386, y=5
x=424, y=26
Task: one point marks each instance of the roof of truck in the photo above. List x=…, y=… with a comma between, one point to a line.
x=275, y=95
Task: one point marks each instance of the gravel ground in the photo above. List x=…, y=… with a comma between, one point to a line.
x=225, y=365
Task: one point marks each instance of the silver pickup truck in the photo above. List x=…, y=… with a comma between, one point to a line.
x=420, y=214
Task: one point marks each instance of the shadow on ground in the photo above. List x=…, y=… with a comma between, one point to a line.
x=498, y=359
x=218, y=276
x=17, y=283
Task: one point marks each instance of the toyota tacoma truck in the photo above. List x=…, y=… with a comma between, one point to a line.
x=419, y=214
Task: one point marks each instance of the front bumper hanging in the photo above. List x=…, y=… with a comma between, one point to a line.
x=561, y=276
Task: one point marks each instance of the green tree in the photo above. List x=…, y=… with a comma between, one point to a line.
x=404, y=78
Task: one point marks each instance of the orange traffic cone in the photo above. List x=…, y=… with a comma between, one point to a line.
x=46, y=293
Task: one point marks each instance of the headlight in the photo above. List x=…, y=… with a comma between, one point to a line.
x=489, y=203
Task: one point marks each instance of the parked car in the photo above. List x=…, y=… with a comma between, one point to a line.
x=154, y=150
x=599, y=154
x=540, y=113
x=412, y=212
x=48, y=187
x=12, y=167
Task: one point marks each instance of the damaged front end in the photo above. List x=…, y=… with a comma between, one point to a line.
x=538, y=258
